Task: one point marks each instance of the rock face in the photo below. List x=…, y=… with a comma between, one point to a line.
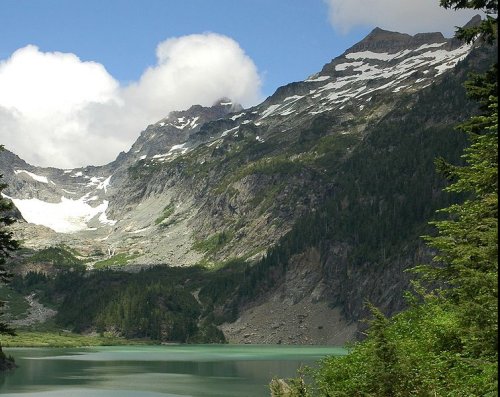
x=380, y=40
x=213, y=183
x=295, y=312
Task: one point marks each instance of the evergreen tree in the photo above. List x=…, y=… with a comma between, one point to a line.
x=7, y=244
x=487, y=29
x=446, y=343
x=467, y=242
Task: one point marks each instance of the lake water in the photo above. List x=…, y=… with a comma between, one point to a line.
x=155, y=371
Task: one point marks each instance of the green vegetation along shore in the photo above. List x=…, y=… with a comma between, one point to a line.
x=65, y=339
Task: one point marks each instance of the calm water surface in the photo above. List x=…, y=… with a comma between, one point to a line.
x=155, y=371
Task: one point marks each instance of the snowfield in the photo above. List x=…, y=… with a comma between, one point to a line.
x=36, y=177
x=67, y=216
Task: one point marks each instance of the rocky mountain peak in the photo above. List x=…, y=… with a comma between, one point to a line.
x=475, y=21
x=227, y=104
x=171, y=132
x=380, y=40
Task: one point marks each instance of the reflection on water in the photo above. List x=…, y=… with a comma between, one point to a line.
x=154, y=371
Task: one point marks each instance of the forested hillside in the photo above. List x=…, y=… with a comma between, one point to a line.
x=446, y=341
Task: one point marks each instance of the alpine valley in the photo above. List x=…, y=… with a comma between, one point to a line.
x=273, y=224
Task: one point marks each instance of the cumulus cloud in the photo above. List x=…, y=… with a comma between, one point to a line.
x=206, y=67
x=405, y=16
x=56, y=110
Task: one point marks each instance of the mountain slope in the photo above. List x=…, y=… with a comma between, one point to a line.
x=215, y=172
x=323, y=189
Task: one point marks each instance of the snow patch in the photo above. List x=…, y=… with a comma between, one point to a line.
x=36, y=177
x=433, y=45
x=103, y=218
x=270, y=110
x=67, y=216
x=316, y=79
x=343, y=66
x=287, y=112
x=105, y=184
x=293, y=98
x=193, y=122
x=226, y=132
x=381, y=56
x=237, y=116
x=178, y=147
x=181, y=123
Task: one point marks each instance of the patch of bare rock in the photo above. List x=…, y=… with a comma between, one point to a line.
x=295, y=313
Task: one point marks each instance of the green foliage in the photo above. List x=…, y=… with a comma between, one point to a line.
x=416, y=353
x=265, y=197
x=384, y=191
x=30, y=282
x=59, y=257
x=488, y=27
x=64, y=339
x=144, y=169
x=7, y=245
x=166, y=213
x=17, y=305
x=220, y=289
x=208, y=333
x=213, y=243
x=280, y=165
x=156, y=304
x=294, y=387
x=154, y=311
x=446, y=342
x=467, y=241
x=114, y=261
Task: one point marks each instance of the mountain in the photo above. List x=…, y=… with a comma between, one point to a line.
x=322, y=191
x=213, y=168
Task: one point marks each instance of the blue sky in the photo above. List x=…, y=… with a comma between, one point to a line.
x=287, y=39
x=76, y=75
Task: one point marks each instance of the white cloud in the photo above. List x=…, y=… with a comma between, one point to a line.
x=56, y=110
x=405, y=16
x=202, y=66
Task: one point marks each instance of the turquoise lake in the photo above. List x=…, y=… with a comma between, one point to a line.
x=155, y=371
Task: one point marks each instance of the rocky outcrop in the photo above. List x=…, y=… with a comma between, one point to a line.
x=299, y=311
x=380, y=40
